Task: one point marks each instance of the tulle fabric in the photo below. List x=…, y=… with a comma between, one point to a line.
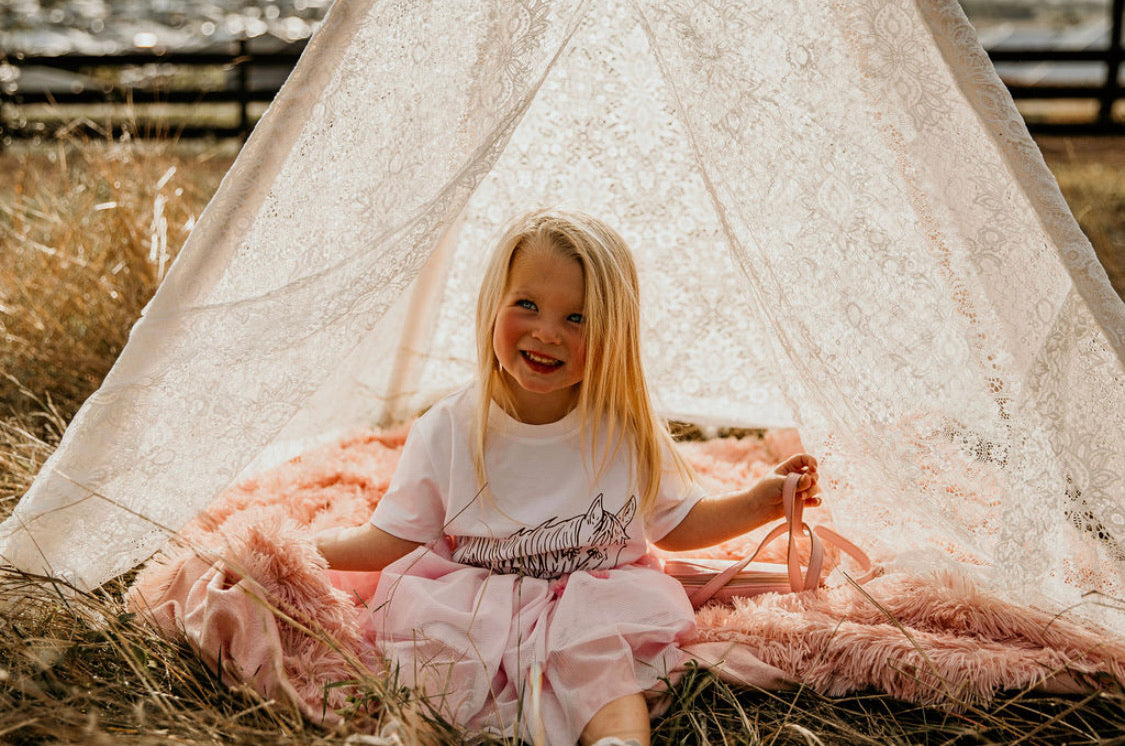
x=509, y=654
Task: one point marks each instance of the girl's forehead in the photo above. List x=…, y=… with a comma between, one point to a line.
x=546, y=270
x=528, y=263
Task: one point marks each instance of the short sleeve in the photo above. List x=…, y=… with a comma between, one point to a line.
x=413, y=508
x=675, y=499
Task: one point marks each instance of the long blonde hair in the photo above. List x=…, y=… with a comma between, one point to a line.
x=613, y=389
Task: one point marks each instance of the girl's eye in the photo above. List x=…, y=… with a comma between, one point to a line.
x=526, y=304
x=575, y=318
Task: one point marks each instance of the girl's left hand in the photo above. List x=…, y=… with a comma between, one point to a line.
x=808, y=489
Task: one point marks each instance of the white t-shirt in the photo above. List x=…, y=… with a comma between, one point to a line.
x=548, y=515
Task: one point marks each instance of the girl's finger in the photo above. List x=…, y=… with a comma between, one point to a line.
x=803, y=462
x=797, y=463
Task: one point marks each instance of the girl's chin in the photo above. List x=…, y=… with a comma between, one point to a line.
x=529, y=377
x=537, y=384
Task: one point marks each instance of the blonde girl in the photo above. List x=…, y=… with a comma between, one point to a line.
x=518, y=593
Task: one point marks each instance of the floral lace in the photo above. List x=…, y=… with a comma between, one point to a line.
x=840, y=221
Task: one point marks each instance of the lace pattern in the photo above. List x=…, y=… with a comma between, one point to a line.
x=840, y=221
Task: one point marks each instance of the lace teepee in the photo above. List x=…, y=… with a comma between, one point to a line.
x=840, y=221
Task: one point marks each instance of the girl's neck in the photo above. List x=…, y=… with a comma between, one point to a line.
x=532, y=408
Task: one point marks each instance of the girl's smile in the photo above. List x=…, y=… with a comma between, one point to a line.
x=540, y=334
x=540, y=363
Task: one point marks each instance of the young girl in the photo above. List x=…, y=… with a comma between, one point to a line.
x=518, y=592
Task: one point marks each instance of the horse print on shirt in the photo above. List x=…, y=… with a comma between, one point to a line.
x=588, y=541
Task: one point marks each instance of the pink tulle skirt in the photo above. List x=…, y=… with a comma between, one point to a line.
x=510, y=655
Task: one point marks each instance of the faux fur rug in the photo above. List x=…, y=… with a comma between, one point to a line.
x=245, y=586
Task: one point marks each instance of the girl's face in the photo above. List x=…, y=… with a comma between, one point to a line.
x=540, y=334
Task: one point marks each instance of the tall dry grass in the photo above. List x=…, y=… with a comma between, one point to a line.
x=1091, y=174
x=85, y=230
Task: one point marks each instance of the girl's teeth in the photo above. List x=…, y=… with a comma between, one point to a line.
x=541, y=360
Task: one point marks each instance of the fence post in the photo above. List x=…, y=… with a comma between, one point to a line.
x=1113, y=64
x=3, y=100
x=244, y=87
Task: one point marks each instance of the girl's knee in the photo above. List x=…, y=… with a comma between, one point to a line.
x=622, y=722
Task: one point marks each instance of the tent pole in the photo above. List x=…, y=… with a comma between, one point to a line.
x=420, y=317
x=1113, y=63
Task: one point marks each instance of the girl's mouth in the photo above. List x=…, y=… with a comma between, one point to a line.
x=540, y=363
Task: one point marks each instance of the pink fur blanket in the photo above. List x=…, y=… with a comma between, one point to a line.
x=245, y=586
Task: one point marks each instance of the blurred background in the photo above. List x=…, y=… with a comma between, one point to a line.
x=193, y=68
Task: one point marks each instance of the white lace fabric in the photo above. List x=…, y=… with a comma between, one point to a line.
x=840, y=221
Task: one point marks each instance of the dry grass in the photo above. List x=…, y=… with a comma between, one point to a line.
x=77, y=226
x=1091, y=174
x=80, y=670
x=82, y=235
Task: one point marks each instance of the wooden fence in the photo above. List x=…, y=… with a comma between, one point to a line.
x=1107, y=94
x=67, y=105
x=250, y=77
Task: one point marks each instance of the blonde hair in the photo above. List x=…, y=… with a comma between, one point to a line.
x=613, y=389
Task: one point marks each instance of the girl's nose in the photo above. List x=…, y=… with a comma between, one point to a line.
x=547, y=333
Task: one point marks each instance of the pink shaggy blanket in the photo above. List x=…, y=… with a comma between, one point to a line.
x=244, y=585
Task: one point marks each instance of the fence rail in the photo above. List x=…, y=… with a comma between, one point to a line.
x=241, y=65
x=1107, y=95
x=237, y=68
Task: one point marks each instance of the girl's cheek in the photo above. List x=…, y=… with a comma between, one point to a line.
x=501, y=339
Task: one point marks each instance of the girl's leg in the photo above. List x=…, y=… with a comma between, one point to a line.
x=625, y=718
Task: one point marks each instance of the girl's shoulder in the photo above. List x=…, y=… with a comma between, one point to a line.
x=453, y=411
x=442, y=430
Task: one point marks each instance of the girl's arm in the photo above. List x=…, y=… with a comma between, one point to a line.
x=715, y=519
x=362, y=547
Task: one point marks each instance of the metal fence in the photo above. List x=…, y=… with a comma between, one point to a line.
x=249, y=77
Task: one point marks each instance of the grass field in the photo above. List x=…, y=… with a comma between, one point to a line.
x=77, y=263
x=1091, y=175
